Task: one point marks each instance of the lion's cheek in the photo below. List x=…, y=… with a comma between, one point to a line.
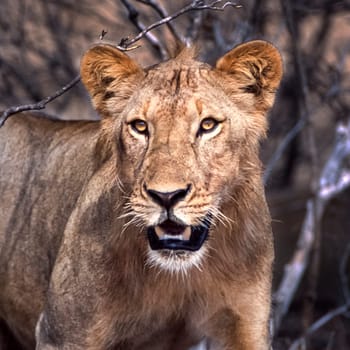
x=130, y=162
x=219, y=166
x=224, y=175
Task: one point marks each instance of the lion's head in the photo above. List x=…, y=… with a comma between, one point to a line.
x=185, y=135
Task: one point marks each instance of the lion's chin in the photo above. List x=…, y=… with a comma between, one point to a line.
x=176, y=261
x=171, y=236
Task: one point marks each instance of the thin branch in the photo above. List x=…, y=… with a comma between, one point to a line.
x=334, y=171
x=38, y=105
x=134, y=18
x=103, y=34
x=163, y=14
x=196, y=5
x=341, y=310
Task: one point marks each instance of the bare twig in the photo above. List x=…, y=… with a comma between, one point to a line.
x=320, y=323
x=134, y=18
x=330, y=185
x=103, y=34
x=38, y=105
x=336, y=174
x=196, y=5
x=163, y=14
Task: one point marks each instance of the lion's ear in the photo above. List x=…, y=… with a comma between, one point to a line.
x=254, y=69
x=110, y=77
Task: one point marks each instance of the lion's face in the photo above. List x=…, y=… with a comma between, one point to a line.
x=181, y=133
x=182, y=157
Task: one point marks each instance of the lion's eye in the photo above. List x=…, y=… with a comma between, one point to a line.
x=208, y=125
x=140, y=126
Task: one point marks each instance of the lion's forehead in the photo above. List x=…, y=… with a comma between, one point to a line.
x=174, y=79
x=178, y=93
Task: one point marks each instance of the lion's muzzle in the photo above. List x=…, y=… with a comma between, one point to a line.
x=170, y=234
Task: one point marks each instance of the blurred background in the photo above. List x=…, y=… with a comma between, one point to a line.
x=306, y=156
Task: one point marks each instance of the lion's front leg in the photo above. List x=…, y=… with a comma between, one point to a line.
x=69, y=316
x=232, y=332
x=243, y=324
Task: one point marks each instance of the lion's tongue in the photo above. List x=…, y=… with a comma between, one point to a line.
x=165, y=231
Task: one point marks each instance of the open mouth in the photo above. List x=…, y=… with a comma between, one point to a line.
x=172, y=236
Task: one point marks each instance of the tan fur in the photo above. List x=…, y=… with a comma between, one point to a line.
x=76, y=207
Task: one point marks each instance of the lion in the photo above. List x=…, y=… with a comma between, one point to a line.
x=147, y=229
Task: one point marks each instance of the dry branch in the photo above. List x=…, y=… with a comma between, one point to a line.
x=196, y=5
x=38, y=105
x=134, y=18
x=320, y=323
x=330, y=183
x=163, y=14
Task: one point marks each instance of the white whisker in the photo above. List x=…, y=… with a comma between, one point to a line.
x=221, y=217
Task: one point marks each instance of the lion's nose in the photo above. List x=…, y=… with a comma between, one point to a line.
x=168, y=199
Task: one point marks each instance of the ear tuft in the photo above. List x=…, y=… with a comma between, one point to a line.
x=255, y=68
x=110, y=76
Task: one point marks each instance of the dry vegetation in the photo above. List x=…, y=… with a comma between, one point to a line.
x=307, y=156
